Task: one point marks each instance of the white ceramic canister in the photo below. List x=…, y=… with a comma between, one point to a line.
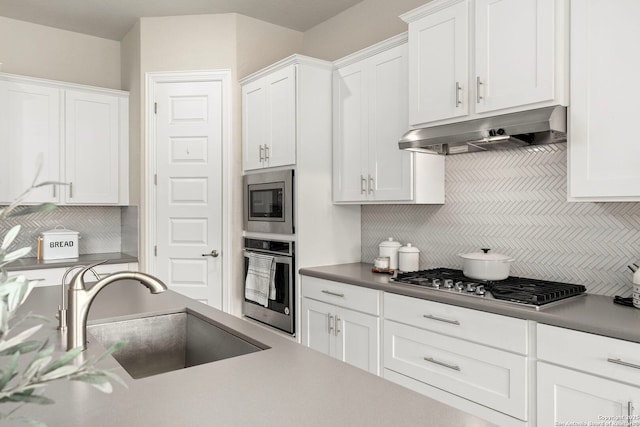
x=390, y=248
x=408, y=258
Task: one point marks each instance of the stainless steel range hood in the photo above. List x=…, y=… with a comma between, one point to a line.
x=533, y=127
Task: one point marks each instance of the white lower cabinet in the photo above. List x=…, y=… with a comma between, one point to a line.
x=333, y=325
x=53, y=276
x=440, y=350
x=586, y=379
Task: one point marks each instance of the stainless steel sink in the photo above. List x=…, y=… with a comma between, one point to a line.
x=168, y=342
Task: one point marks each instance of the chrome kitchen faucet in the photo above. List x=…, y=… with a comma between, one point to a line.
x=80, y=298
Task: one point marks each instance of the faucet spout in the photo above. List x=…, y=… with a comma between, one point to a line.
x=80, y=299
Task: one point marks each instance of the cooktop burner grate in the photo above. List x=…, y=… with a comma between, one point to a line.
x=513, y=289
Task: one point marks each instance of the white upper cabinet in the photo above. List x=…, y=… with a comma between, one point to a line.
x=469, y=58
x=269, y=119
x=438, y=60
x=602, y=152
x=514, y=53
x=91, y=148
x=370, y=99
x=29, y=129
x=80, y=132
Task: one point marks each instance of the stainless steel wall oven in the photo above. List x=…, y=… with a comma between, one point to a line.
x=279, y=313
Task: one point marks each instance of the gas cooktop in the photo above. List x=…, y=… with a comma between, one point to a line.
x=515, y=290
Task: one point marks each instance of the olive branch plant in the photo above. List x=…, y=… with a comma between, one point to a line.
x=27, y=364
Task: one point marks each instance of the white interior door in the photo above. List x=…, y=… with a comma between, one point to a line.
x=188, y=202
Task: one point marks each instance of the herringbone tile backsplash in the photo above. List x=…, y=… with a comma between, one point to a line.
x=514, y=202
x=100, y=227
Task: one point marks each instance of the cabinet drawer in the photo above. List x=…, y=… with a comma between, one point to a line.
x=53, y=276
x=490, y=329
x=341, y=294
x=491, y=377
x=595, y=354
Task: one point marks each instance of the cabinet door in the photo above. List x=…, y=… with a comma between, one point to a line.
x=357, y=340
x=390, y=171
x=254, y=124
x=92, y=148
x=566, y=396
x=603, y=155
x=350, y=133
x=515, y=51
x=281, y=116
x=29, y=130
x=317, y=325
x=438, y=65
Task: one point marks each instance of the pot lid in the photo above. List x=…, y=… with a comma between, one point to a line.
x=486, y=256
x=390, y=243
x=408, y=249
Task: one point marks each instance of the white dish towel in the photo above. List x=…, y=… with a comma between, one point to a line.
x=259, y=284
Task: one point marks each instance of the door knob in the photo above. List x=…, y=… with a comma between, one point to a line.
x=213, y=253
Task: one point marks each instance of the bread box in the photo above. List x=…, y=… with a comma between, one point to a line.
x=59, y=243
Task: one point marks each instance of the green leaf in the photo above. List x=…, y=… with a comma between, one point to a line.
x=116, y=378
x=19, y=253
x=65, y=359
x=26, y=210
x=29, y=398
x=22, y=348
x=61, y=372
x=10, y=237
x=97, y=380
x=115, y=347
x=9, y=371
x=34, y=368
x=20, y=338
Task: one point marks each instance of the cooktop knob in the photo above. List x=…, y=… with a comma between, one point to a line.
x=459, y=286
x=471, y=287
x=448, y=283
x=436, y=283
x=480, y=290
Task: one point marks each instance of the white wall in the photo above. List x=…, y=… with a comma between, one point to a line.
x=39, y=51
x=132, y=82
x=362, y=25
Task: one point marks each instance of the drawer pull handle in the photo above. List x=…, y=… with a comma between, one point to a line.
x=446, y=365
x=440, y=319
x=623, y=363
x=330, y=320
x=333, y=293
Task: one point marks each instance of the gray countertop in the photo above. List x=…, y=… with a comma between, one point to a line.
x=588, y=313
x=34, y=264
x=285, y=385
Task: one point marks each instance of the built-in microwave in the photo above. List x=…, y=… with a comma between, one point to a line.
x=268, y=202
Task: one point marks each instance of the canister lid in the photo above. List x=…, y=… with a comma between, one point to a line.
x=59, y=230
x=408, y=249
x=390, y=243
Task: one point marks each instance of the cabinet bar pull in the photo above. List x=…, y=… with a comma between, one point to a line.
x=363, y=185
x=623, y=363
x=332, y=293
x=54, y=190
x=478, y=84
x=630, y=412
x=371, y=184
x=337, y=328
x=261, y=155
x=446, y=365
x=266, y=152
x=71, y=190
x=330, y=324
x=440, y=319
x=458, y=89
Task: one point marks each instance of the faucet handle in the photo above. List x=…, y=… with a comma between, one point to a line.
x=77, y=282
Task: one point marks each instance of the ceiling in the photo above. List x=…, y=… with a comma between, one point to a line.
x=112, y=19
